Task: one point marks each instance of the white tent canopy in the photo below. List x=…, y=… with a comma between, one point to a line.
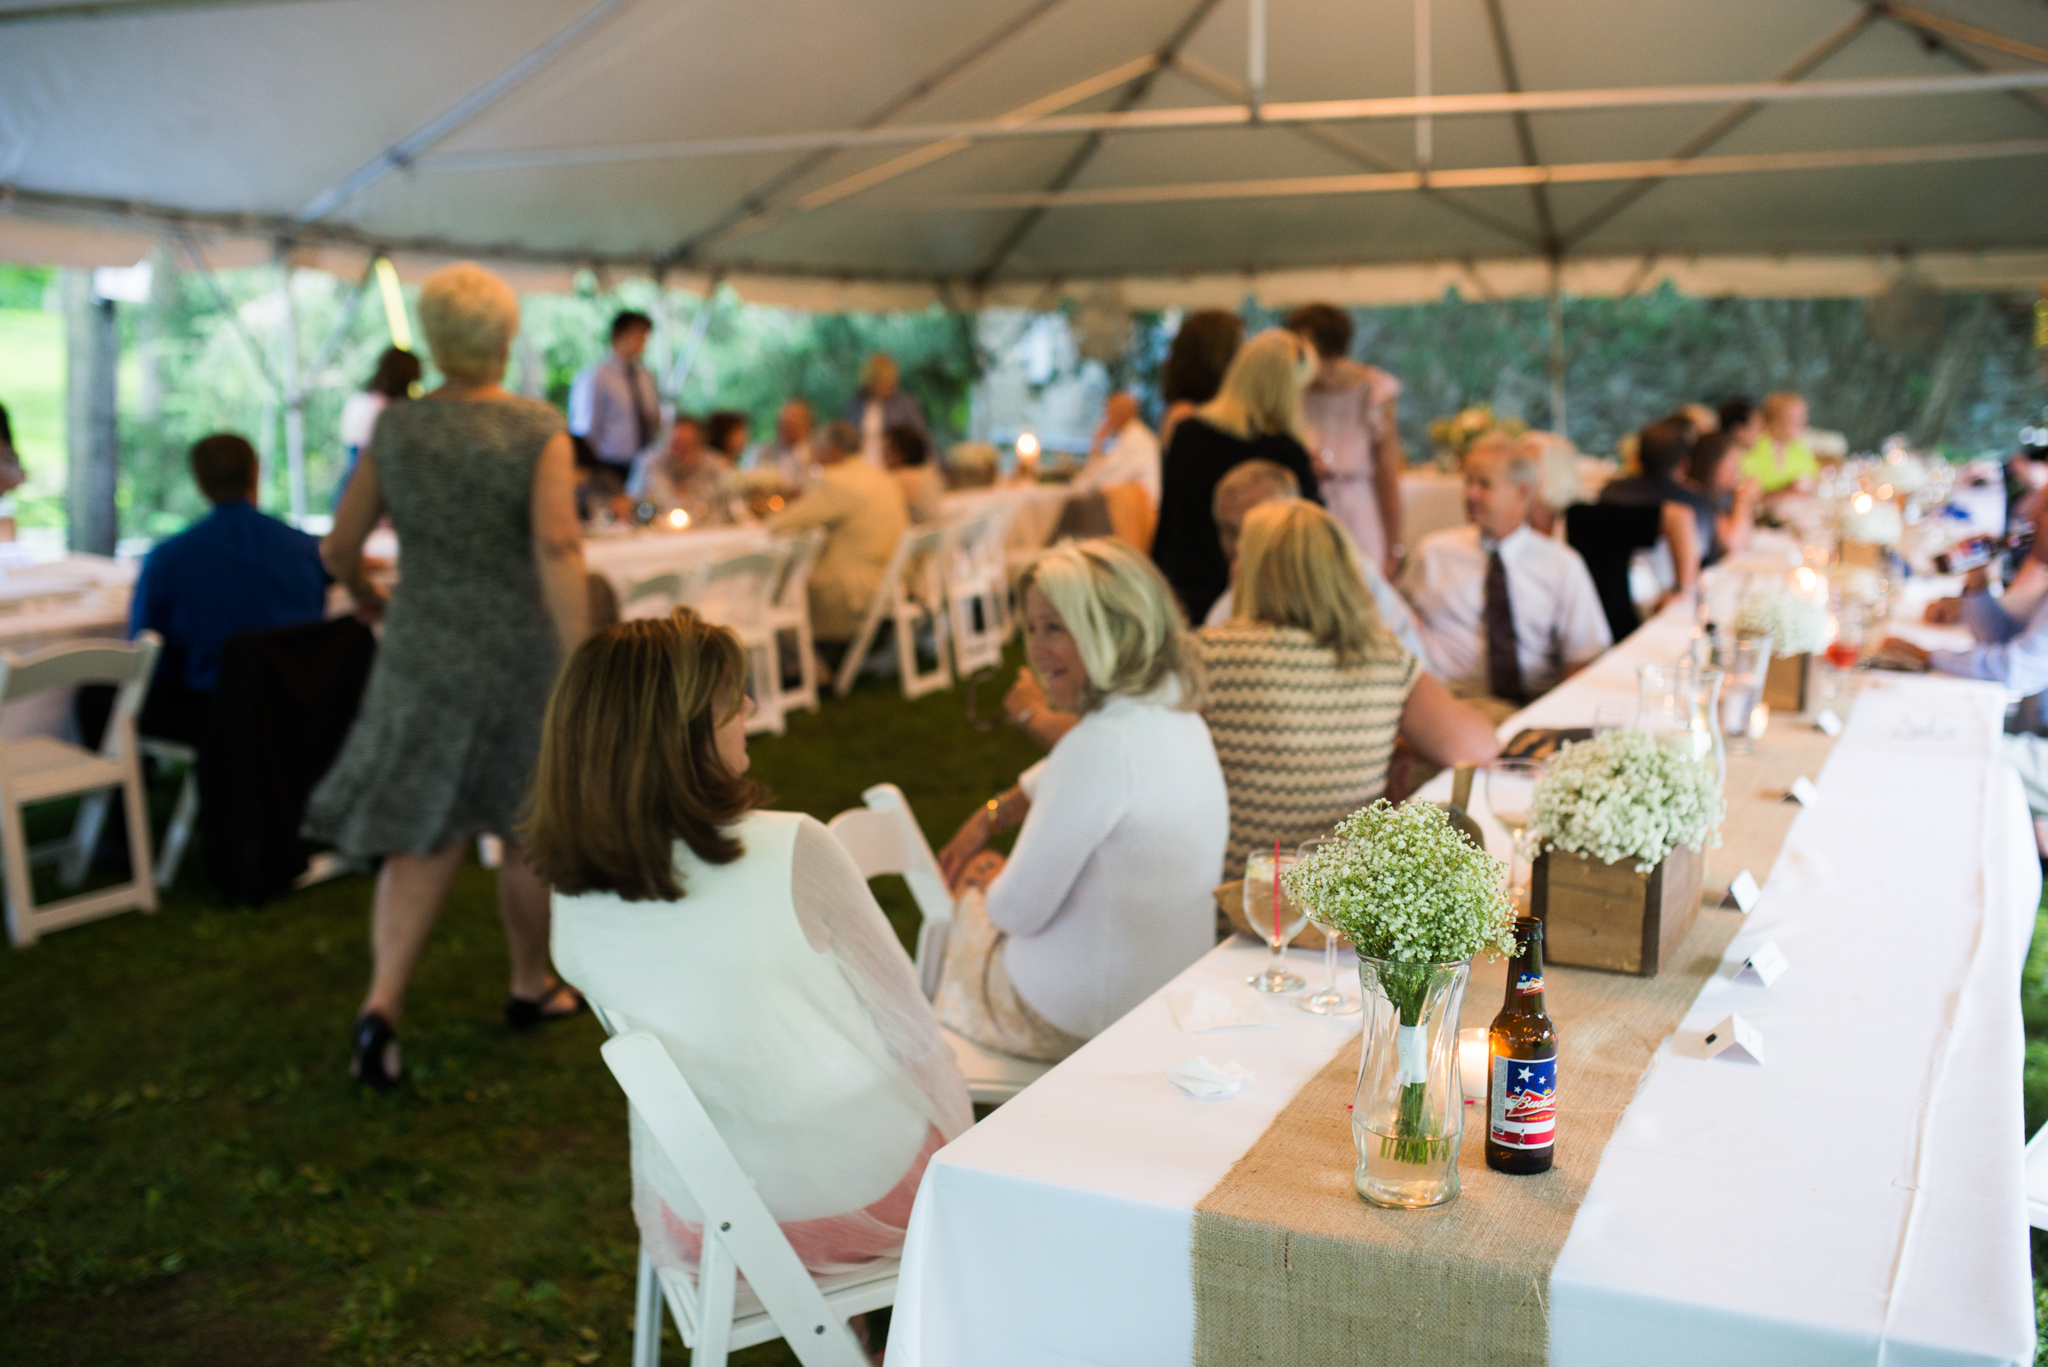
x=1156, y=152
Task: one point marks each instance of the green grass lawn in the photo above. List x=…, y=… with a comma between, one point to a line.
x=187, y=1176
x=32, y=388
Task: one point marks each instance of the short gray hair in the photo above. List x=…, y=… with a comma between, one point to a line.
x=1272, y=478
x=1124, y=620
x=470, y=316
x=1521, y=463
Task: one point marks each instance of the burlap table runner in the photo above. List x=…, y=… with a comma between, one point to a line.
x=1292, y=1266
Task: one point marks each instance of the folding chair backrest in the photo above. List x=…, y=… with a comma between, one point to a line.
x=657, y=595
x=885, y=840
x=735, y=1217
x=919, y=577
x=125, y=664
x=737, y=590
x=802, y=550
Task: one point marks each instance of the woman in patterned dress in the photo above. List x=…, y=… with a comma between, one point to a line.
x=480, y=487
x=1307, y=690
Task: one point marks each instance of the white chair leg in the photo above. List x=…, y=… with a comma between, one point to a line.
x=179, y=833
x=647, y=1312
x=140, y=862
x=715, y=1290
x=21, y=903
x=85, y=838
x=807, y=662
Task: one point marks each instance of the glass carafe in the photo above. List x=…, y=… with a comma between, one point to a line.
x=1696, y=700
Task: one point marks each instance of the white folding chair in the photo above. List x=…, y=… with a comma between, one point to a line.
x=2037, y=1179
x=42, y=768
x=736, y=593
x=659, y=594
x=912, y=593
x=740, y=1237
x=885, y=839
x=977, y=575
x=185, y=815
x=789, y=614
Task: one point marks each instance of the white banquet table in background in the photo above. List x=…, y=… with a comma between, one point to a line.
x=48, y=602
x=1857, y=1200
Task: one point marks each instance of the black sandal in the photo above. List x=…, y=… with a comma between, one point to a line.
x=376, y=1062
x=522, y=1014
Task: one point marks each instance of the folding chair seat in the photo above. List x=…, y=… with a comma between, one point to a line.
x=42, y=768
x=884, y=839
x=977, y=574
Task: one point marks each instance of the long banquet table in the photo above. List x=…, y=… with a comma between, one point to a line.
x=1859, y=1199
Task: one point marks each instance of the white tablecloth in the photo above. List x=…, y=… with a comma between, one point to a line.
x=47, y=603
x=1858, y=1200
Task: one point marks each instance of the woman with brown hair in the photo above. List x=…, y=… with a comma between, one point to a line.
x=1195, y=363
x=1308, y=689
x=745, y=940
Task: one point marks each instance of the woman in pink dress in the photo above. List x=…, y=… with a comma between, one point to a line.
x=1349, y=411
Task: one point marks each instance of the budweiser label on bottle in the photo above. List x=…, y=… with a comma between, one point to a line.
x=1521, y=1109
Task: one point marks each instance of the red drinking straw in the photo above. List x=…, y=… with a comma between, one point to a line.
x=1276, y=892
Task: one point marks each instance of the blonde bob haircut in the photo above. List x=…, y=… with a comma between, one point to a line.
x=629, y=759
x=1261, y=391
x=1124, y=620
x=470, y=317
x=1298, y=567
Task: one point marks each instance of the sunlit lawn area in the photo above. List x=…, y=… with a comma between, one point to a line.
x=187, y=1175
x=32, y=388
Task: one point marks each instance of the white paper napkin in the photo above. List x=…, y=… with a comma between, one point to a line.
x=1204, y=1008
x=1200, y=1078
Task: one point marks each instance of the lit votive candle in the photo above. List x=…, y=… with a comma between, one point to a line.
x=1472, y=1064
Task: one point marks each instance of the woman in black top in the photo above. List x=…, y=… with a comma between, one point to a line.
x=1255, y=416
x=1661, y=450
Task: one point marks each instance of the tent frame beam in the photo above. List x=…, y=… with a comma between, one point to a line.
x=1207, y=117
x=1488, y=177
x=760, y=199
x=408, y=148
x=1525, y=133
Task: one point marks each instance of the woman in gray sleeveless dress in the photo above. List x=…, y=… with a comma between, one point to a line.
x=480, y=486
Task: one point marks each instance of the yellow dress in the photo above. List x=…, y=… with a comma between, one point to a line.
x=1763, y=464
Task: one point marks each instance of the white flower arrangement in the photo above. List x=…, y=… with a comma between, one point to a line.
x=1402, y=884
x=1872, y=521
x=1796, y=625
x=1625, y=796
x=1904, y=471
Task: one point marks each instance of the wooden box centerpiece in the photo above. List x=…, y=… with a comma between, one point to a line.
x=1618, y=826
x=1798, y=627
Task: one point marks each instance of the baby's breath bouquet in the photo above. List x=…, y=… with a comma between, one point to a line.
x=1402, y=884
x=1625, y=796
x=1796, y=625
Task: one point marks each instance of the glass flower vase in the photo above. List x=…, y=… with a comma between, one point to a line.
x=1408, y=1118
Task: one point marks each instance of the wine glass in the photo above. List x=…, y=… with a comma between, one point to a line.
x=1329, y=1001
x=1510, y=790
x=1267, y=906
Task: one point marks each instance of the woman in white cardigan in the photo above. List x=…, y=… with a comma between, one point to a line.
x=1106, y=895
x=745, y=940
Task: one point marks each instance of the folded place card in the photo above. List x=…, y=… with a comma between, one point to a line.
x=1765, y=965
x=1803, y=792
x=1743, y=891
x=1200, y=1078
x=1205, y=1008
x=1827, y=721
x=1735, y=1038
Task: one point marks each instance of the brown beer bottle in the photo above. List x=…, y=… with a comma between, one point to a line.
x=1521, y=1092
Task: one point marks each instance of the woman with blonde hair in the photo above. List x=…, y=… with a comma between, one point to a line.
x=745, y=940
x=1106, y=894
x=1255, y=416
x=1308, y=690
x=481, y=487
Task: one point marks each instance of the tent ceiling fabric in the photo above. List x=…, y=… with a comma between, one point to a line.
x=548, y=135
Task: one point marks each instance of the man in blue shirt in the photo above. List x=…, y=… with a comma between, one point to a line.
x=234, y=570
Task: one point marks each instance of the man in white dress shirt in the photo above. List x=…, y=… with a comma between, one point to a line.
x=613, y=404
x=1125, y=450
x=1496, y=583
